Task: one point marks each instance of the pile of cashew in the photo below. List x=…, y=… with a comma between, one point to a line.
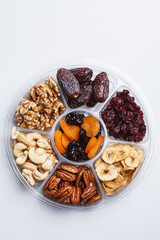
x=34, y=154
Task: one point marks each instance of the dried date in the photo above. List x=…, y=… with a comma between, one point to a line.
x=101, y=87
x=84, y=96
x=82, y=74
x=68, y=83
x=91, y=102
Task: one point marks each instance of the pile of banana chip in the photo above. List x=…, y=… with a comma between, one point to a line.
x=117, y=166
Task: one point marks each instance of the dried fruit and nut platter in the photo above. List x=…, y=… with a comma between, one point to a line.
x=80, y=135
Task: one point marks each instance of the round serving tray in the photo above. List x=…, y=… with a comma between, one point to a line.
x=118, y=82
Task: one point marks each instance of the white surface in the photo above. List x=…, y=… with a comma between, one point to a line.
x=122, y=33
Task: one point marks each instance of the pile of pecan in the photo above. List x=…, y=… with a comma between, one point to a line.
x=72, y=185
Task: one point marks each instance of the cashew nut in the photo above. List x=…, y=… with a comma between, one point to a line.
x=43, y=143
x=18, y=149
x=40, y=176
x=22, y=159
x=40, y=169
x=33, y=136
x=55, y=160
x=15, y=142
x=23, y=138
x=38, y=155
x=50, y=151
x=14, y=133
x=30, y=166
x=28, y=175
x=46, y=138
x=35, y=155
x=47, y=165
x=40, y=151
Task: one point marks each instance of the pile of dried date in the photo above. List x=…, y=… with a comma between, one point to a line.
x=72, y=185
x=80, y=89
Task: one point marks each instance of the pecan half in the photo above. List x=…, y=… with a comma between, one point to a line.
x=64, y=184
x=63, y=193
x=89, y=178
x=83, y=167
x=50, y=179
x=88, y=193
x=79, y=176
x=53, y=182
x=70, y=177
x=49, y=193
x=82, y=186
x=76, y=194
x=94, y=199
x=64, y=198
x=69, y=168
x=68, y=201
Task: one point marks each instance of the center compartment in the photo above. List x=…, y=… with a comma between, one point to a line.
x=57, y=126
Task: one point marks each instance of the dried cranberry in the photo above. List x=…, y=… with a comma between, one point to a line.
x=124, y=118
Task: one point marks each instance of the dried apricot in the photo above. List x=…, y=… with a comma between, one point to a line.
x=91, y=125
x=90, y=144
x=65, y=140
x=58, y=141
x=96, y=147
x=71, y=131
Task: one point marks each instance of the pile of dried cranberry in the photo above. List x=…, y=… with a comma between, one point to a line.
x=124, y=118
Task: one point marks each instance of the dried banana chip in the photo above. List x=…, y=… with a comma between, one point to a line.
x=118, y=166
x=109, y=155
x=133, y=159
x=106, y=172
x=123, y=151
x=125, y=167
x=115, y=183
x=140, y=152
x=111, y=191
x=98, y=162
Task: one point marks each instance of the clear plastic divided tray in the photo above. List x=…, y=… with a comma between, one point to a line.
x=118, y=82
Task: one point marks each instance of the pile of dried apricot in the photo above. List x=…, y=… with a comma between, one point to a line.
x=79, y=138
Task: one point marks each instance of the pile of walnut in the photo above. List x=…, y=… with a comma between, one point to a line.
x=72, y=185
x=41, y=108
x=117, y=166
x=34, y=154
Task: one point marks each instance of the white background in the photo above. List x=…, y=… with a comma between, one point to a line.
x=123, y=33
